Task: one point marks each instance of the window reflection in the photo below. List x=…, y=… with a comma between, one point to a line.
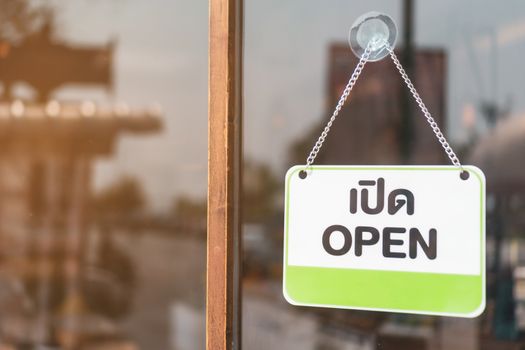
x=102, y=217
x=465, y=65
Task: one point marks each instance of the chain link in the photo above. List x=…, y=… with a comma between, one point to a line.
x=346, y=92
x=435, y=128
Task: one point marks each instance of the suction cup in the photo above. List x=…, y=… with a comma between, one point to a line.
x=375, y=28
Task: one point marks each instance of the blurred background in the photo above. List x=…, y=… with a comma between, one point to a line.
x=465, y=58
x=103, y=156
x=103, y=151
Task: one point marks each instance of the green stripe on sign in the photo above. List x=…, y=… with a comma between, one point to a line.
x=387, y=290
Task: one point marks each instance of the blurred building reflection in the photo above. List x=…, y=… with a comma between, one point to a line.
x=370, y=129
x=500, y=154
x=47, y=64
x=62, y=288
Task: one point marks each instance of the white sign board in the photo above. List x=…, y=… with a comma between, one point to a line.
x=406, y=239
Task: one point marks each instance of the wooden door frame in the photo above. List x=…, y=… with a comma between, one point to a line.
x=224, y=244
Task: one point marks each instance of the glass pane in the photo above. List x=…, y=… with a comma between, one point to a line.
x=102, y=174
x=465, y=60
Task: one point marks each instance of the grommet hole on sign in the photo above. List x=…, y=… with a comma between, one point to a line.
x=464, y=175
x=302, y=174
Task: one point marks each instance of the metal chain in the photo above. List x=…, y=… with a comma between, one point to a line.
x=441, y=138
x=346, y=92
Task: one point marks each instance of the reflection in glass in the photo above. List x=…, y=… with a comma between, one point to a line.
x=468, y=72
x=97, y=250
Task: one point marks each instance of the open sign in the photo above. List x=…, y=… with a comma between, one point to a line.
x=404, y=239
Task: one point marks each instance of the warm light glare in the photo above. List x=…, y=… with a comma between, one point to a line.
x=53, y=108
x=88, y=108
x=17, y=108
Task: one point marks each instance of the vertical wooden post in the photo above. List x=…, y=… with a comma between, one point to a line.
x=224, y=175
